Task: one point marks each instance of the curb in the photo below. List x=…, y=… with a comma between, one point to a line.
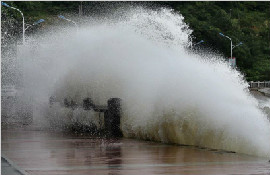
x=14, y=166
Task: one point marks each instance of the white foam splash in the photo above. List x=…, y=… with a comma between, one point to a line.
x=169, y=94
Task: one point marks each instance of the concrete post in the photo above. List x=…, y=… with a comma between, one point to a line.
x=113, y=116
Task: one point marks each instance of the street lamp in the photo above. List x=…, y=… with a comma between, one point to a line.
x=64, y=18
x=198, y=43
x=232, y=46
x=237, y=45
x=35, y=23
x=5, y=4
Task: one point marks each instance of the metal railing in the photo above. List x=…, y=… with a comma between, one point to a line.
x=259, y=84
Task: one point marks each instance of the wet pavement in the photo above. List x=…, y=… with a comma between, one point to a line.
x=55, y=153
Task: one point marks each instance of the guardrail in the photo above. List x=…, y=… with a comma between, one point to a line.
x=259, y=84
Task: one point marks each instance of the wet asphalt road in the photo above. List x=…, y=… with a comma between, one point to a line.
x=49, y=153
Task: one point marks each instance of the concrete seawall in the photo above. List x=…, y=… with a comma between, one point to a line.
x=263, y=97
x=261, y=86
x=265, y=91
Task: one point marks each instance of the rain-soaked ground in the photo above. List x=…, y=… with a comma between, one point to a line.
x=55, y=153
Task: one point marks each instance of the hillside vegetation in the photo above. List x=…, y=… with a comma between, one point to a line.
x=247, y=22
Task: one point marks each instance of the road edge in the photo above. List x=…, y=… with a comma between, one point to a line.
x=13, y=165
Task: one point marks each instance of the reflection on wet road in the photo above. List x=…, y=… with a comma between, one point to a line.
x=49, y=153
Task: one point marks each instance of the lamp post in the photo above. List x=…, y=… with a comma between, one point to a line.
x=232, y=46
x=198, y=43
x=23, y=30
x=35, y=23
x=64, y=18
